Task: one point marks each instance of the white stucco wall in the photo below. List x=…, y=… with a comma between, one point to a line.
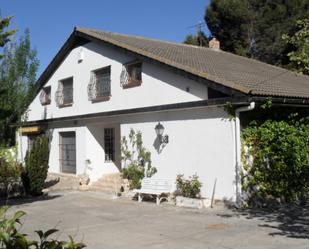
x=95, y=150
x=201, y=142
x=159, y=85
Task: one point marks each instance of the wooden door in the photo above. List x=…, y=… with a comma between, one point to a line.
x=67, y=147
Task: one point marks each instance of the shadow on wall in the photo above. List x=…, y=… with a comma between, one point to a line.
x=158, y=145
x=290, y=221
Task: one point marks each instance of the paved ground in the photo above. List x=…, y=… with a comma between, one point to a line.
x=103, y=223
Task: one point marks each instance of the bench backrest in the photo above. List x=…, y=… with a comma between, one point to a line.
x=163, y=185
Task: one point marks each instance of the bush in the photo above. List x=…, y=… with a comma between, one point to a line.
x=10, y=171
x=136, y=160
x=190, y=187
x=36, y=166
x=11, y=238
x=134, y=173
x=278, y=168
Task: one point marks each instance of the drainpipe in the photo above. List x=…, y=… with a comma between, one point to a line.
x=238, y=166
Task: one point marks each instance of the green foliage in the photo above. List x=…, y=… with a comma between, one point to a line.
x=254, y=28
x=276, y=160
x=200, y=39
x=11, y=238
x=134, y=173
x=4, y=33
x=18, y=69
x=230, y=110
x=267, y=104
x=299, y=56
x=136, y=159
x=190, y=187
x=10, y=169
x=36, y=166
x=10, y=173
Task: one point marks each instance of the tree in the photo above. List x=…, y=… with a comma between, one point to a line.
x=200, y=39
x=299, y=57
x=254, y=28
x=18, y=69
x=36, y=169
x=4, y=33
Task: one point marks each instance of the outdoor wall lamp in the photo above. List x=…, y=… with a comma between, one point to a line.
x=163, y=139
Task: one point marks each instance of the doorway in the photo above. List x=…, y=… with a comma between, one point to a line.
x=67, y=147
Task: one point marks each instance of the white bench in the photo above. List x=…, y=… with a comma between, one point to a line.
x=160, y=188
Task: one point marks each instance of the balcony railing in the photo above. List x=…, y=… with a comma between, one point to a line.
x=64, y=97
x=45, y=98
x=99, y=88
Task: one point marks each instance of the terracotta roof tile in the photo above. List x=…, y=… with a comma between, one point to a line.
x=239, y=73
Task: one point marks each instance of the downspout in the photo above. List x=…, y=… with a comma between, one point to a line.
x=238, y=166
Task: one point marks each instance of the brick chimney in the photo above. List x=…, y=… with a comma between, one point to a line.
x=214, y=44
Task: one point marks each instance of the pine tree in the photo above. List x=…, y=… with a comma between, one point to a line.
x=254, y=28
x=4, y=33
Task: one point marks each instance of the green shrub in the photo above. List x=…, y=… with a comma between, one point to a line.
x=134, y=173
x=190, y=187
x=10, y=170
x=279, y=165
x=11, y=238
x=36, y=166
x=136, y=159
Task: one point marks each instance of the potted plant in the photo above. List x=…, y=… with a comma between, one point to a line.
x=188, y=193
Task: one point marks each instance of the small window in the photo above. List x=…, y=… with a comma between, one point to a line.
x=31, y=139
x=45, y=95
x=131, y=74
x=99, y=87
x=64, y=94
x=109, y=144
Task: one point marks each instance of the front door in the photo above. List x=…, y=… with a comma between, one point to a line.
x=67, y=148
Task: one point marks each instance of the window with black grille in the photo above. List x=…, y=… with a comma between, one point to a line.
x=45, y=98
x=109, y=144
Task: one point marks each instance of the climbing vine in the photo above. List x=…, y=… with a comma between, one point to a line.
x=136, y=159
x=275, y=158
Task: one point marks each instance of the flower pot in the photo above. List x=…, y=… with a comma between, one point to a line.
x=191, y=202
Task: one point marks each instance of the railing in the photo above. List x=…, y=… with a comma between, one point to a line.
x=124, y=77
x=99, y=87
x=64, y=97
x=44, y=98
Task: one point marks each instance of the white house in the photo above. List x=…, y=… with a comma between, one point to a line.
x=102, y=84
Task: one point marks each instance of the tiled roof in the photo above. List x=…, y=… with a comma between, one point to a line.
x=239, y=73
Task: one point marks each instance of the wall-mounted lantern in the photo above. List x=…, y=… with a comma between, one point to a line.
x=163, y=139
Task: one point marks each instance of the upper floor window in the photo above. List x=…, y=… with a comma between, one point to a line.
x=64, y=94
x=45, y=95
x=131, y=74
x=99, y=87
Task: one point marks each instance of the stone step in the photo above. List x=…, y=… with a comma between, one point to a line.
x=108, y=183
x=55, y=181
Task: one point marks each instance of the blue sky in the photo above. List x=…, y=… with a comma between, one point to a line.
x=51, y=22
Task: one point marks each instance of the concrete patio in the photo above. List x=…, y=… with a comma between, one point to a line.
x=104, y=223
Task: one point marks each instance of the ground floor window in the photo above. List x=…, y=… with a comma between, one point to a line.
x=109, y=144
x=31, y=139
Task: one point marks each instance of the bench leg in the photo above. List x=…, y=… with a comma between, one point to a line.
x=140, y=197
x=158, y=200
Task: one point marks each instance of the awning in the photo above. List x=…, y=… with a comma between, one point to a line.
x=32, y=129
